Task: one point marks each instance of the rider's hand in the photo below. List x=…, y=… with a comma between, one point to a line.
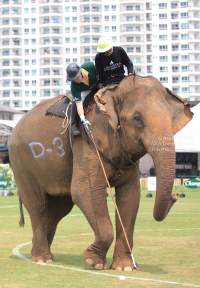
x=85, y=122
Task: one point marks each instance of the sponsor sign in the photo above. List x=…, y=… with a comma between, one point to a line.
x=151, y=183
x=192, y=183
x=5, y=182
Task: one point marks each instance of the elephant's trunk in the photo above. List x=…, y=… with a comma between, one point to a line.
x=163, y=153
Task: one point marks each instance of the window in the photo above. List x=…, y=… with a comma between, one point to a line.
x=162, y=26
x=185, y=79
x=184, y=15
x=184, y=36
x=163, y=16
x=185, y=68
x=129, y=39
x=175, y=26
x=175, y=79
x=163, y=58
x=174, y=15
x=162, y=5
x=163, y=47
x=164, y=79
x=55, y=20
x=185, y=47
x=129, y=18
x=174, y=5
x=175, y=47
x=175, y=89
x=114, y=28
x=184, y=25
x=86, y=19
x=162, y=37
x=175, y=58
x=185, y=57
x=164, y=69
x=184, y=4
x=174, y=36
x=185, y=89
x=175, y=68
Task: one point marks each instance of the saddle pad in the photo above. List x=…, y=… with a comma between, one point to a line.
x=60, y=106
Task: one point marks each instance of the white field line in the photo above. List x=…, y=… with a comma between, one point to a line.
x=16, y=252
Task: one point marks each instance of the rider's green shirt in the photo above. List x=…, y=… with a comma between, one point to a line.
x=76, y=88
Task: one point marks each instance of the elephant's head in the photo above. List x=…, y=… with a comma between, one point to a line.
x=147, y=115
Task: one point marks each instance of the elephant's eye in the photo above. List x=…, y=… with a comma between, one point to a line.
x=138, y=119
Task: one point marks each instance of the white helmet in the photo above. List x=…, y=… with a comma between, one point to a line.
x=104, y=44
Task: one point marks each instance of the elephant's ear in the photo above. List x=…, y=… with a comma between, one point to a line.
x=106, y=101
x=181, y=110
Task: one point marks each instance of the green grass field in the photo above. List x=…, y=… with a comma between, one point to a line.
x=168, y=253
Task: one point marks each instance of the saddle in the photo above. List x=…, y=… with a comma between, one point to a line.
x=59, y=108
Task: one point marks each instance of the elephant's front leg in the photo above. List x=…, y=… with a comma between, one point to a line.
x=127, y=199
x=89, y=194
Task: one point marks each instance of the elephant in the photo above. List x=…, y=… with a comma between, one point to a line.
x=128, y=120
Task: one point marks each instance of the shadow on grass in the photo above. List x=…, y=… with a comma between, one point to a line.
x=77, y=262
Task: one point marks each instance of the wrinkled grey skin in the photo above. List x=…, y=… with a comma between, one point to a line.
x=51, y=179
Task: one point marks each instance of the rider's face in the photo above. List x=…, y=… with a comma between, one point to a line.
x=79, y=79
x=109, y=52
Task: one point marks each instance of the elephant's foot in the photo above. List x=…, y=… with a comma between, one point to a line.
x=44, y=257
x=96, y=260
x=123, y=264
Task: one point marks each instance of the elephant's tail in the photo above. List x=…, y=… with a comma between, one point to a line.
x=21, y=221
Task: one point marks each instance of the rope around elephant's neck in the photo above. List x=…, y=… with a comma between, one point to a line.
x=115, y=204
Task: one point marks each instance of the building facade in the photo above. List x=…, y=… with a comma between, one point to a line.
x=38, y=38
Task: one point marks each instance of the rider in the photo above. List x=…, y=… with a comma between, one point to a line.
x=83, y=82
x=110, y=63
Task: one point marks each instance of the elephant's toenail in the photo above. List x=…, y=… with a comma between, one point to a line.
x=89, y=261
x=40, y=261
x=99, y=266
x=128, y=269
x=49, y=261
x=118, y=269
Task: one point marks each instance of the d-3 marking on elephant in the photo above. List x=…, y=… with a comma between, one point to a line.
x=148, y=115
